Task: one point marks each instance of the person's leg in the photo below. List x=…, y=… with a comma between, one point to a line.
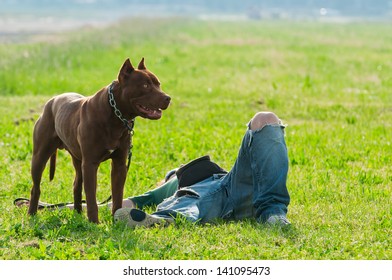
x=155, y=196
x=268, y=154
x=201, y=202
x=257, y=182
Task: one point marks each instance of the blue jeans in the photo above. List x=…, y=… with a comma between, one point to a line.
x=254, y=188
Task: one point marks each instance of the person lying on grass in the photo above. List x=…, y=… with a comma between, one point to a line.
x=201, y=191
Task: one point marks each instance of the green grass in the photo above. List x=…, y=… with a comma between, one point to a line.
x=330, y=82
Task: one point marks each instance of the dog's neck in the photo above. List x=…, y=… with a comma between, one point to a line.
x=128, y=121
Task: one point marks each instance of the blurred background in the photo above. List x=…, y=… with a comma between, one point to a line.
x=21, y=17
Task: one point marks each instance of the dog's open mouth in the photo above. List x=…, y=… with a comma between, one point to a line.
x=146, y=112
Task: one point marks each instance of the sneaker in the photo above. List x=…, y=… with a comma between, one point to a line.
x=278, y=220
x=135, y=217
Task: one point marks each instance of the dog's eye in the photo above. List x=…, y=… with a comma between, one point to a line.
x=145, y=85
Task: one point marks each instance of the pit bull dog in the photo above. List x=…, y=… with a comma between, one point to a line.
x=93, y=129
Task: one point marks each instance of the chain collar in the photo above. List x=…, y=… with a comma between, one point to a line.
x=119, y=115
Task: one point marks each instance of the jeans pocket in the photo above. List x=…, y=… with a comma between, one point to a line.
x=187, y=192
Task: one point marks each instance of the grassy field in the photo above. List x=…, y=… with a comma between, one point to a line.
x=331, y=83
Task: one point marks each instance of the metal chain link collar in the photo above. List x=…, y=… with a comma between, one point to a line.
x=119, y=115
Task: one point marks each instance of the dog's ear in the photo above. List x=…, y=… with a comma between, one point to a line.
x=125, y=70
x=142, y=66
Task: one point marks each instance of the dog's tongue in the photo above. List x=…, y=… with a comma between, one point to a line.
x=151, y=113
x=154, y=114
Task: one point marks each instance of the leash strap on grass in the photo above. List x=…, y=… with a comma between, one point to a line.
x=43, y=205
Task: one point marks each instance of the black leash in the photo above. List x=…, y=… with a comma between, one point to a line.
x=129, y=124
x=43, y=205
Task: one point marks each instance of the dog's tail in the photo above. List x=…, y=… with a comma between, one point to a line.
x=52, y=165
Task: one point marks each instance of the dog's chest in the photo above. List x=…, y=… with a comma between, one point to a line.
x=109, y=153
x=111, y=149
x=116, y=147
x=115, y=143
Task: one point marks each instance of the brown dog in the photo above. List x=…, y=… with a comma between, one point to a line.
x=93, y=129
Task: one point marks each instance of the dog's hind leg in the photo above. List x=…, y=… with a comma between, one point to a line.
x=41, y=154
x=78, y=184
x=45, y=144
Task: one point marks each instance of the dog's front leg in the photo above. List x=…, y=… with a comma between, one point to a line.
x=118, y=174
x=78, y=185
x=89, y=170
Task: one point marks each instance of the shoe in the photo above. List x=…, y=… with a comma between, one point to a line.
x=135, y=217
x=278, y=220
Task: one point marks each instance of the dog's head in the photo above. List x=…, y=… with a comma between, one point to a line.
x=141, y=91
